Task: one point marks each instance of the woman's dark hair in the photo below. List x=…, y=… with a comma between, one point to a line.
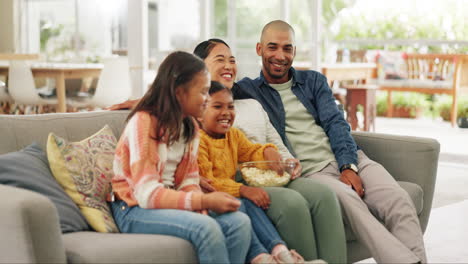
x=217, y=87
x=177, y=70
x=204, y=48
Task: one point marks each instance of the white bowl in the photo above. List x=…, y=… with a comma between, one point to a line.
x=265, y=173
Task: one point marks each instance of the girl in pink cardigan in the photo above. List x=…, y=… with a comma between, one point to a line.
x=156, y=180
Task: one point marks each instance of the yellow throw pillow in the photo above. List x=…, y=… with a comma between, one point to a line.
x=84, y=170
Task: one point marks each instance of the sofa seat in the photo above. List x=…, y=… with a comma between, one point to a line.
x=127, y=248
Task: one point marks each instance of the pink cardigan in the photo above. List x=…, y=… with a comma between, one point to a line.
x=139, y=164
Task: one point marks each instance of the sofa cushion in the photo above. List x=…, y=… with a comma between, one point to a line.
x=391, y=65
x=29, y=169
x=84, y=170
x=81, y=247
x=415, y=192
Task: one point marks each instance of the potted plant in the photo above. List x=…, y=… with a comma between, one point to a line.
x=462, y=113
x=381, y=103
x=443, y=104
x=407, y=105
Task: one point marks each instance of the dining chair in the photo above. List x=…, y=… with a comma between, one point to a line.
x=4, y=95
x=23, y=90
x=5, y=99
x=114, y=85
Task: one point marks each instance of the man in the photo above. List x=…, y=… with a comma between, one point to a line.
x=302, y=109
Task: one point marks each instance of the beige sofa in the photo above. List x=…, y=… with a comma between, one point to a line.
x=30, y=225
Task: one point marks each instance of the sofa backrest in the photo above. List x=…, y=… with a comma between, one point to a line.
x=18, y=131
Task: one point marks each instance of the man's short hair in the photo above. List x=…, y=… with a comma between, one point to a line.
x=278, y=25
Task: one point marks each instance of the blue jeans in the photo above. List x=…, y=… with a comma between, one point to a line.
x=264, y=235
x=220, y=238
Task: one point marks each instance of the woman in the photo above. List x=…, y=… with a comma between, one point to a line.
x=306, y=213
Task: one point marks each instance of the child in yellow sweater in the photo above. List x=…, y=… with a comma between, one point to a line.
x=221, y=149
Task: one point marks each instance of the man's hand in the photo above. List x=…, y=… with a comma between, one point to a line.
x=297, y=169
x=257, y=195
x=272, y=154
x=220, y=202
x=206, y=186
x=129, y=104
x=352, y=179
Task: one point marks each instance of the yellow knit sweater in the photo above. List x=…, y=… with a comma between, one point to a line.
x=218, y=158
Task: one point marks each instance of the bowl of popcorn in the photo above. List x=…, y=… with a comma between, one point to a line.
x=266, y=173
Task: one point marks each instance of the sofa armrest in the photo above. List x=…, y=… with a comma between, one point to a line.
x=411, y=159
x=30, y=228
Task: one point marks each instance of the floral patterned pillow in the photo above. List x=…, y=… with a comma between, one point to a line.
x=84, y=170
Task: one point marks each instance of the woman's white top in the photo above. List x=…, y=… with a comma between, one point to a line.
x=254, y=122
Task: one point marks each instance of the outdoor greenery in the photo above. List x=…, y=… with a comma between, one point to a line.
x=393, y=24
x=220, y=20
x=48, y=31
x=443, y=104
x=414, y=102
x=381, y=103
x=433, y=106
x=345, y=20
x=251, y=16
x=331, y=9
x=58, y=43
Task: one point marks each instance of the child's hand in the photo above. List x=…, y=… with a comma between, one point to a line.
x=220, y=202
x=203, y=212
x=257, y=195
x=297, y=169
x=206, y=186
x=273, y=155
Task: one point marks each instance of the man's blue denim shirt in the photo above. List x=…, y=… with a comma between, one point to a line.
x=311, y=88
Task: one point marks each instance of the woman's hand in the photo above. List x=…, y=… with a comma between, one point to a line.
x=206, y=186
x=220, y=202
x=272, y=154
x=297, y=169
x=129, y=104
x=257, y=195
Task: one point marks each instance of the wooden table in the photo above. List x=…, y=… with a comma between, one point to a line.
x=358, y=93
x=349, y=71
x=19, y=56
x=364, y=95
x=343, y=71
x=60, y=72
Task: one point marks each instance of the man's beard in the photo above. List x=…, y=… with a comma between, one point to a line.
x=275, y=75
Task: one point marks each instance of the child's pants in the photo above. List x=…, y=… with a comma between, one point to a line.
x=223, y=238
